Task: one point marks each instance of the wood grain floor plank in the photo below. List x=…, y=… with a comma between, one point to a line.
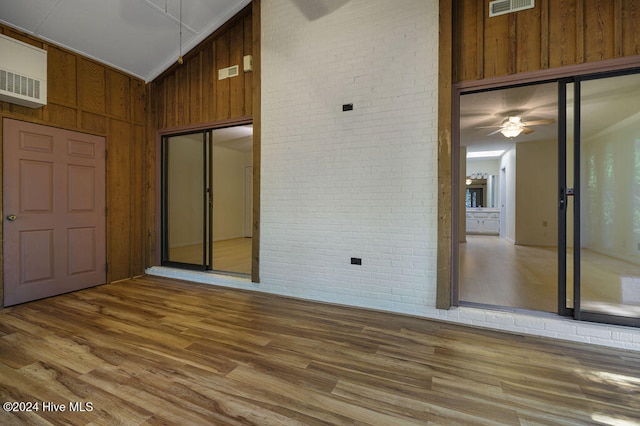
x=158, y=351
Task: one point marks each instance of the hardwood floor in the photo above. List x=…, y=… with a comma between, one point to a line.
x=156, y=351
x=494, y=271
x=228, y=255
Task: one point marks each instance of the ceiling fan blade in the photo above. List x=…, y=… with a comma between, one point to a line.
x=488, y=127
x=527, y=130
x=539, y=122
x=494, y=132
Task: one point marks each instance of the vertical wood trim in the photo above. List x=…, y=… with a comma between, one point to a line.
x=544, y=34
x=445, y=66
x=514, y=52
x=618, y=28
x=257, y=123
x=480, y=59
x=580, y=23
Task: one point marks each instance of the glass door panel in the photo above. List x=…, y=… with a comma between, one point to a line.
x=608, y=243
x=231, y=204
x=185, y=238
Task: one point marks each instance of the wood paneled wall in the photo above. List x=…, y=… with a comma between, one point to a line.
x=553, y=34
x=86, y=96
x=191, y=96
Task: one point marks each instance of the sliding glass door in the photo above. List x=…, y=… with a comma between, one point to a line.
x=606, y=203
x=186, y=200
x=574, y=167
x=207, y=179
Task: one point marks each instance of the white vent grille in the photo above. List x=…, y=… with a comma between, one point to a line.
x=19, y=84
x=234, y=71
x=501, y=7
x=228, y=72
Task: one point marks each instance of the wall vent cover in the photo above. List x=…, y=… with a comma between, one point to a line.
x=23, y=73
x=234, y=71
x=224, y=73
x=502, y=7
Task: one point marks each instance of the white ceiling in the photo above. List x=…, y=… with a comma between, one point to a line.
x=604, y=103
x=140, y=37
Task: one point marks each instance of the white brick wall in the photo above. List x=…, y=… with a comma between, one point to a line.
x=361, y=183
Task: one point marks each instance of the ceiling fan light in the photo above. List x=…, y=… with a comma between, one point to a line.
x=511, y=131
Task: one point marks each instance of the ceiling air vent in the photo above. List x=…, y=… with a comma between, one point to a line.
x=501, y=7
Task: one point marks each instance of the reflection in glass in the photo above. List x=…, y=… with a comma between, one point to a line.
x=610, y=180
x=184, y=174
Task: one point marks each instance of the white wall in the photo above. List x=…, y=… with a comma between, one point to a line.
x=508, y=162
x=228, y=192
x=536, y=195
x=361, y=183
x=610, y=192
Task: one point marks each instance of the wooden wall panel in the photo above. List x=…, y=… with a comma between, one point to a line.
x=236, y=84
x=86, y=96
x=469, y=20
x=248, y=76
x=599, y=30
x=562, y=33
x=497, y=46
x=119, y=200
x=528, y=48
x=222, y=60
x=119, y=94
x=62, y=78
x=553, y=34
x=630, y=23
x=91, y=86
x=191, y=94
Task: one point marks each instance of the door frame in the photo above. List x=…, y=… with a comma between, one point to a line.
x=523, y=79
x=172, y=131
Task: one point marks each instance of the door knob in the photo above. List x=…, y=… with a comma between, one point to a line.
x=12, y=217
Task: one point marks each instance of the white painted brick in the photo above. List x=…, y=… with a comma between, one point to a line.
x=341, y=184
x=561, y=327
x=601, y=332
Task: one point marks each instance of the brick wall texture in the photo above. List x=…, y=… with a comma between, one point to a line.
x=340, y=184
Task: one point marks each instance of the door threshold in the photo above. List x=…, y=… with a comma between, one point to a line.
x=203, y=277
x=510, y=309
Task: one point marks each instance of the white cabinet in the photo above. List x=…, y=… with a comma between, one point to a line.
x=483, y=221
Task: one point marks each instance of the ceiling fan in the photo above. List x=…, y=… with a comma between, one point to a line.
x=514, y=125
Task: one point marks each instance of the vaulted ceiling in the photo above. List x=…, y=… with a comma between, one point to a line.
x=140, y=37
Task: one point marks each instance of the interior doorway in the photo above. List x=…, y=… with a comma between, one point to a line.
x=568, y=237
x=509, y=244
x=204, y=201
